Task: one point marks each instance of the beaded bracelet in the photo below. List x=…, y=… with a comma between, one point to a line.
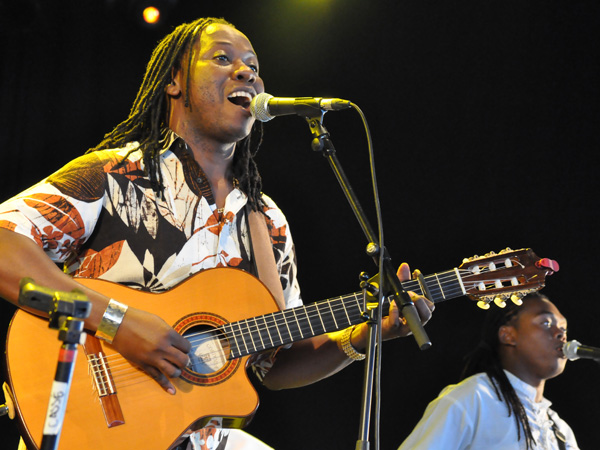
x=349, y=350
x=111, y=320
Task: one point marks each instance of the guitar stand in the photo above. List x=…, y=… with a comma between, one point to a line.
x=66, y=312
x=387, y=275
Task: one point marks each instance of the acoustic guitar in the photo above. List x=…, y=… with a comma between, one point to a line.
x=228, y=316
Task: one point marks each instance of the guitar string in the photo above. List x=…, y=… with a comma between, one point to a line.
x=283, y=319
x=250, y=329
x=121, y=370
x=253, y=328
x=119, y=374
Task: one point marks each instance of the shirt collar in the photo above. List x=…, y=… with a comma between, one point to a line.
x=193, y=171
x=526, y=390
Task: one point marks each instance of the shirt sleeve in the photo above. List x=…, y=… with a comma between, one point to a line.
x=58, y=213
x=446, y=425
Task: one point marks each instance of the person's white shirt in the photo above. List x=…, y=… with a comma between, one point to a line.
x=469, y=416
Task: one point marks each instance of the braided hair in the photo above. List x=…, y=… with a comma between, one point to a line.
x=486, y=358
x=147, y=121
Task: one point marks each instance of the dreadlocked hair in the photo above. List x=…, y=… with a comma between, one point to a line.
x=485, y=358
x=245, y=170
x=147, y=121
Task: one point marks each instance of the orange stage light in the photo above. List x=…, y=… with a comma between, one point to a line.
x=151, y=14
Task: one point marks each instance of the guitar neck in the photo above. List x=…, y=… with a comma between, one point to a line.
x=268, y=331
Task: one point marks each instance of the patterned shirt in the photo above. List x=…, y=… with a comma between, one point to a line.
x=100, y=218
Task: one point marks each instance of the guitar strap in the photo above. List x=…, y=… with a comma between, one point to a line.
x=560, y=437
x=262, y=251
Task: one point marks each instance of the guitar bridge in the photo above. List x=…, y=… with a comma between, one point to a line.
x=103, y=382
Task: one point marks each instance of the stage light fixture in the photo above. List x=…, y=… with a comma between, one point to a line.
x=152, y=13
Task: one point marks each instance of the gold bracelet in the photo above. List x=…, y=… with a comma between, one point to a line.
x=111, y=320
x=349, y=350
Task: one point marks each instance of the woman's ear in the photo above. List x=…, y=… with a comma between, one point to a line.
x=507, y=335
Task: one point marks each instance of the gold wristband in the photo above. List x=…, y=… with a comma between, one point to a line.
x=347, y=345
x=111, y=320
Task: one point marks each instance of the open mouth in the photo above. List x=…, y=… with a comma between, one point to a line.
x=240, y=98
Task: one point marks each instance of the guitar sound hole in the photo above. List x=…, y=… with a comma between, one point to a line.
x=209, y=350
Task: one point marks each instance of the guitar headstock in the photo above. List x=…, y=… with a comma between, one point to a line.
x=508, y=275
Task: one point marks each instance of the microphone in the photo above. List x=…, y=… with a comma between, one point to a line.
x=53, y=302
x=264, y=106
x=575, y=350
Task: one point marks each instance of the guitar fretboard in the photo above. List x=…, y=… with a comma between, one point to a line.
x=284, y=327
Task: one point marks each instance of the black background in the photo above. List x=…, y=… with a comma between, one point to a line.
x=484, y=117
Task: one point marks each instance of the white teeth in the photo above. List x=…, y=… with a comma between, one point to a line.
x=241, y=94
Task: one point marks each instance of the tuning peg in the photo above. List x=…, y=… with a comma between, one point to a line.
x=506, y=250
x=516, y=299
x=500, y=303
x=483, y=305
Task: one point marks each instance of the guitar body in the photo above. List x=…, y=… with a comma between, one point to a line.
x=152, y=419
x=226, y=315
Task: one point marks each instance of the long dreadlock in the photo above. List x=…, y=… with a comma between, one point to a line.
x=147, y=121
x=485, y=358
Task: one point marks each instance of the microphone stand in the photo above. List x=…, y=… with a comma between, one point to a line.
x=387, y=275
x=66, y=313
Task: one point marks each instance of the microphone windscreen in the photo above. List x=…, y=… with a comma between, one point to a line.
x=259, y=107
x=570, y=350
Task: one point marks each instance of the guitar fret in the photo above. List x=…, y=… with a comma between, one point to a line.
x=266, y=335
x=259, y=332
x=242, y=336
x=282, y=338
x=268, y=330
x=232, y=339
x=462, y=286
x=346, y=313
x=294, y=324
x=413, y=285
x=251, y=335
x=440, y=285
x=356, y=310
x=320, y=317
x=312, y=332
x=436, y=287
x=305, y=323
x=340, y=314
x=326, y=315
x=298, y=323
x=433, y=287
x=316, y=320
x=332, y=314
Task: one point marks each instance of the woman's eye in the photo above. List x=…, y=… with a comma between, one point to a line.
x=254, y=67
x=222, y=57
